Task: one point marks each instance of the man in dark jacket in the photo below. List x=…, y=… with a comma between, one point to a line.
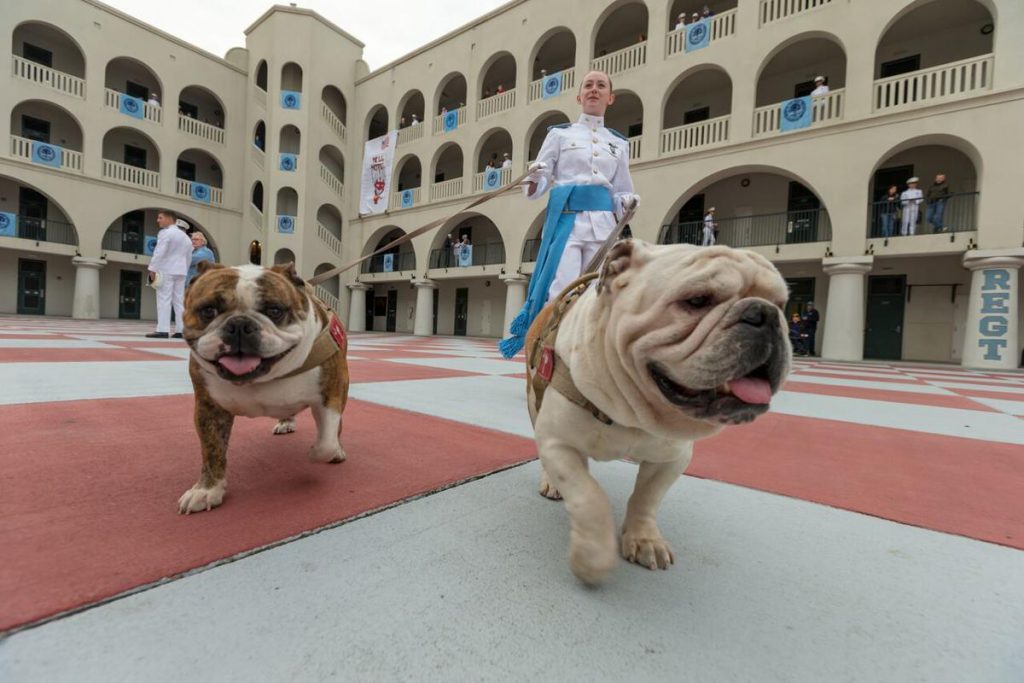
x=810, y=320
x=938, y=193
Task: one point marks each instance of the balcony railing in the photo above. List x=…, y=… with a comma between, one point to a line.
x=479, y=180
x=530, y=250
x=131, y=175
x=789, y=227
x=206, y=131
x=773, y=10
x=634, y=147
x=954, y=214
x=824, y=109
x=722, y=26
x=439, y=120
x=693, y=136
x=50, y=78
x=150, y=112
x=332, y=120
x=489, y=254
x=446, y=189
x=70, y=160
x=259, y=95
x=256, y=216
x=45, y=230
x=396, y=199
x=945, y=82
x=621, y=60
x=410, y=133
x=534, y=92
x=496, y=104
x=332, y=181
x=400, y=262
x=328, y=298
x=185, y=189
x=258, y=155
x=328, y=238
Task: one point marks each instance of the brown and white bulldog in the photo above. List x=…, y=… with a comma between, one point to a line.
x=669, y=345
x=262, y=345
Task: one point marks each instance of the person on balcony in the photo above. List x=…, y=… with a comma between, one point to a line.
x=499, y=90
x=415, y=120
x=586, y=165
x=680, y=21
x=910, y=204
x=938, y=193
x=889, y=210
x=506, y=162
x=707, y=13
x=154, y=100
x=820, y=88
x=710, y=229
x=167, y=270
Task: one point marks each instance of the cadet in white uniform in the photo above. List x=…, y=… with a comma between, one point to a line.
x=171, y=259
x=910, y=200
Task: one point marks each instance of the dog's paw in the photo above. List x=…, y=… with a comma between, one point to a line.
x=647, y=549
x=197, y=498
x=547, y=489
x=591, y=560
x=330, y=454
x=284, y=426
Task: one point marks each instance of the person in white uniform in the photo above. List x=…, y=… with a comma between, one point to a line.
x=910, y=200
x=168, y=268
x=819, y=87
x=709, y=228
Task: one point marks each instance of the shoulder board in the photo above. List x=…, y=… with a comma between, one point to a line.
x=560, y=125
x=618, y=134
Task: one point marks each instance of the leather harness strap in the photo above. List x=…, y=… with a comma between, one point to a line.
x=330, y=340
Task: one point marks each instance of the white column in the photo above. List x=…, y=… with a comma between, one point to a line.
x=991, y=337
x=515, y=297
x=423, y=326
x=357, y=307
x=86, y=305
x=844, y=312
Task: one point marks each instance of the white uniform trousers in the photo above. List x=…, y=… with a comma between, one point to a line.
x=709, y=237
x=909, y=225
x=575, y=258
x=171, y=292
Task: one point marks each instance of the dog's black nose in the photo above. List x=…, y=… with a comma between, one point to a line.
x=241, y=326
x=755, y=314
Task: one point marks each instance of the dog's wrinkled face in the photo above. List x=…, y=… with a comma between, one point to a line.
x=245, y=323
x=700, y=331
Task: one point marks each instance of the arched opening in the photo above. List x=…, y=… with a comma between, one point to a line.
x=395, y=259
x=498, y=76
x=696, y=111
x=256, y=196
x=791, y=71
x=495, y=147
x=131, y=157
x=39, y=121
x=284, y=257
x=333, y=284
x=198, y=103
x=332, y=160
x=291, y=77
x=621, y=28
x=409, y=172
x=556, y=52
x=198, y=166
x=36, y=216
x=290, y=142
x=682, y=12
x=256, y=252
x=329, y=217
x=261, y=75
x=377, y=122
x=259, y=136
x=448, y=163
x=947, y=207
x=49, y=46
x=539, y=131
x=746, y=207
x=335, y=101
x=135, y=232
x=287, y=206
x=411, y=108
x=475, y=231
x=626, y=115
x=451, y=94
x=531, y=245
x=133, y=78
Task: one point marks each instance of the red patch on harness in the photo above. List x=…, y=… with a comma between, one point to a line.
x=546, y=367
x=337, y=332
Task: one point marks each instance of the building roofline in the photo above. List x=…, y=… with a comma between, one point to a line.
x=448, y=36
x=305, y=12
x=163, y=34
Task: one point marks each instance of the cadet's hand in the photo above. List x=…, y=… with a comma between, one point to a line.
x=536, y=171
x=630, y=202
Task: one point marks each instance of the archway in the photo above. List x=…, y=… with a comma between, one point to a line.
x=256, y=196
x=539, y=131
x=201, y=104
x=409, y=172
x=412, y=109
x=329, y=217
x=790, y=70
x=498, y=75
x=135, y=232
x=133, y=78
x=555, y=52
x=37, y=215
x=622, y=25
x=377, y=122
x=335, y=102
x=448, y=163
x=494, y=145
x=451, y=93
x=41, y=121
x=283, y=257
x=626, y=116
x=291, y=77
x=47, y=45
x=333, y=284
x=402, y=257
x=332, y=159
x=259, y=136
x=261, y=75
x=479, y=231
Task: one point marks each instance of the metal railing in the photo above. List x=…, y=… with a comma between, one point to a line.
x=956, y=213
x=439, y=120
x=256, y=216
x=332, y=181
x=489, y=254
x=621, y=60
x=446, y=189
x=824, y=108
x=206, y=131
x=773, y=10
x=722, y=26
x=124, y=242
x=402, y=261
x=70, y=160
x=410, y=133
x=695, y=135
x=788, y=227
x=333, y=121
x=45, y=230
x=184, y=189
x=496, y=104
x=396, y=199
x=51, y=78
x=534, y=91
x=329, y=238
x=150, y=112
x=131, y=175
x=944, y=82
x=530, y=250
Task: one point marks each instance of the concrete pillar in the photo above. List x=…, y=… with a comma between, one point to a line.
x=993, y=318
x=86, y=305
x=515, y=297
x=357, y=307
x=423, y=326
x=844, y=313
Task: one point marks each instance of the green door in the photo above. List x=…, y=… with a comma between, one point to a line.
x=31, y=287
x=883, y=332
x=130, y=299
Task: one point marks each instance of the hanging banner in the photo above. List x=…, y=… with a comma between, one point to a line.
x=551, y=86
x=286, y=224
x=291, y=99
x=796, y=114
x=698, y=35
x=132, y=106
x=389, y=263
x=46, y=154
x=288, y=162
x=492, y=179
x=466, y=256
x=8, y=224
x=450, y=121
x=407, y=199
x=200, y=192
x=149, y=246
x=375, y=185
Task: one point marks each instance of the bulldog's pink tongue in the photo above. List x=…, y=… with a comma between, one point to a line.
x=751, y=389
x=239, y=365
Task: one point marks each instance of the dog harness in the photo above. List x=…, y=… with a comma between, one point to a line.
x=549, y=369
x=330, y=340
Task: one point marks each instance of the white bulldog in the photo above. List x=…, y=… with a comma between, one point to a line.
x=669, y=345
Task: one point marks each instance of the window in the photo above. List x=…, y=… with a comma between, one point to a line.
x=135, y=90
x=899, y=66
x=135, y=156
x=805, y=88
x=695, y=115
x=188, y=109
x=186, y=170
x=35, y=129
x=39, y=55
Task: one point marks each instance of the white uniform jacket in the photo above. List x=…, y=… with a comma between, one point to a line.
x=173, y=253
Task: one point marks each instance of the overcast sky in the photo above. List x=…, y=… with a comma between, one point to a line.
x=389, y=28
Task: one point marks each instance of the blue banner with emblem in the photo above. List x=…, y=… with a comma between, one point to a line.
x=149, y=245
x=291, y=99
x=698, y=35
x=466, y=255
x=389, y=263
x=286, y=224
x=46, y=154
x=450, y=121
x=551, y=86
x=492, y=179
x=8, y=224
x=407, y=199
x=200, y=192
x=288, y=162
x=132, y=106
x=796, y=114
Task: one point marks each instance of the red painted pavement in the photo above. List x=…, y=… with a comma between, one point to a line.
x=65, y=355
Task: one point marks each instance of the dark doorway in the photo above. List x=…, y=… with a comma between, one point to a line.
x=133, y=227
x=883, y=178
x=461, y=311
x=136, y=90
x=31, y=287
x=188, y=109
x=898, y=67
x=39, y=55
x=437, y=299
x=186, y=170
x=689, y=221
x=803, y=208
x=32, y=208
x=130, y=297
x=392, y=314
x=801, y=290
x=369, y=310
x=883, y=332
x=697, y=115
x=804, y=89
x=35, y=129
x=135, y=156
